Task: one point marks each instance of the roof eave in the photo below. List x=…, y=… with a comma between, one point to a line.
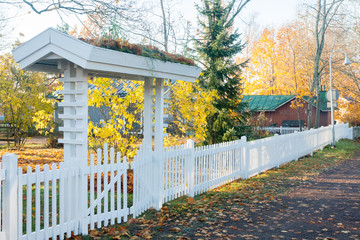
x=290, y=99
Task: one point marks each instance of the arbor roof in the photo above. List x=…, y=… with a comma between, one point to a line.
x=47, y=52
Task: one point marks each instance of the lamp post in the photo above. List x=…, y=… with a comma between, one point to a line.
x=346, y=62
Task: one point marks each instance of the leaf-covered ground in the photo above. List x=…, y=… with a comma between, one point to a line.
x=35, y=154
x=291, y=202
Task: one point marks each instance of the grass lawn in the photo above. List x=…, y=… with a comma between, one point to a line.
x=199, y=216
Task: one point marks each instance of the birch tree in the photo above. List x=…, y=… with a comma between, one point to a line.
x=325, y=12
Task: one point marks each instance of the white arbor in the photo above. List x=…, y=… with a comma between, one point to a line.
x=55, y=52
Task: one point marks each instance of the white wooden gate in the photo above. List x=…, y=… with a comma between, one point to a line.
x=107, y=190
x=63, y=201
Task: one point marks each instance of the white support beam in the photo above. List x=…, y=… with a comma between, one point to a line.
x=147, y=141
x=75, y=139
x=75, y=104
x=159, y=115
x=158, y=143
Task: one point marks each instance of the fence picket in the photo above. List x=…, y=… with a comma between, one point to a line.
x=112, y=197
x=20, y=202
x=118, y=187
x=68, y=206
x=106, y=179
x=76, y=204
x=46, y=200
x=92, y=191
x=28, y=200
x=54, y=192
x=125, y=199
x=98, y=187
x=62, y=202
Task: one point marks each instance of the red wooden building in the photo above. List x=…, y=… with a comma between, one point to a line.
x=278, y=110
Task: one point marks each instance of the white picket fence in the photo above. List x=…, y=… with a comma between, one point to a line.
x=282, y=130
x=58, y=202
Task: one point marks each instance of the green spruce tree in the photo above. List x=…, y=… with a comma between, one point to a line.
x=217, y=47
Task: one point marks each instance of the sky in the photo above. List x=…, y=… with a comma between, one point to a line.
x=267, y=13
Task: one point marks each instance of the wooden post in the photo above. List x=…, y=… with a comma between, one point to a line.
x=147, y=141
x=10, y=197
x=158, y=143
x=191, y=167
x=75, y=139
x=75, y=116
x=273, y=150
x=245, y=158
x=159, y=115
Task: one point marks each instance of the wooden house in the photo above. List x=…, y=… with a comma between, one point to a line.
x=279, y=111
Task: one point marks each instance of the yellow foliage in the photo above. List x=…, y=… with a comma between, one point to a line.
x=119, y=114
x=190, y=105
x=22, y=98
x=349, y=112
x=278, y=63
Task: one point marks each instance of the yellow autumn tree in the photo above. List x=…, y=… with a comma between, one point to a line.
x=346, y=80
x=263, y=72
x=189, y=107
x=278, y=63
x=120, y=104
x=22, y=99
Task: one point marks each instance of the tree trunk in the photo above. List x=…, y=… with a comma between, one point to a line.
x=299, y=120
x=317, y=116
x=310, y=122
x=164, y=26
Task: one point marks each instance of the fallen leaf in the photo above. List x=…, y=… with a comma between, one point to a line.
x=175, y=229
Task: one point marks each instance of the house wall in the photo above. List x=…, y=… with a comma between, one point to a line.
x=285, y=112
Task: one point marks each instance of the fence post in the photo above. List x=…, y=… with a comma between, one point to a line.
x=10, y=162
x=276, y=137
x=350, y=131
x=244, y=158
x=190, y=167
x=313, y=142
x=158, y=178
x=298, y=146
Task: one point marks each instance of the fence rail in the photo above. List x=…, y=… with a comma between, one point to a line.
x=58, y=202
x=282, y=130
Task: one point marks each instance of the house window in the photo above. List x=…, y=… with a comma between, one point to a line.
x=292, y=123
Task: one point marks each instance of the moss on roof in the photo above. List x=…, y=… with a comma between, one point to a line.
x=139, y=49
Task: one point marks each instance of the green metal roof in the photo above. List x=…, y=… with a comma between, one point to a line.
x=266, y=102
x=272, y=102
